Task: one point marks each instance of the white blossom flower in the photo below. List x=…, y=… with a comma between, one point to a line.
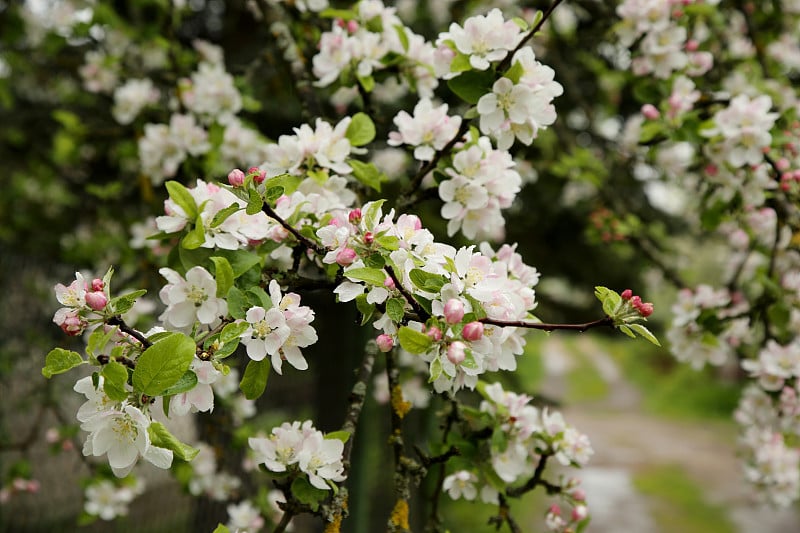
x=191, y=299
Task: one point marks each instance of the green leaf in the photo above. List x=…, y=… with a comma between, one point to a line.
x=237, y=303
x=401, y=34
x=332, y=13
x=115, y=377
x=365, y=308
x=367, y=173
x=372, y=213
x=162, y=364
x=426, y=281
x=343, y=436
x=257, y=297
x=627, y=331
x=98, y=340
x=232, y=331
x=471, y=85
x=186, y=383
x=287, y=181
x=223, y=273
x=361, y=130
x=223, y=214
x=515, y=72
x=59, y=361
x=124, y=303
x=255, y=203
x=435, y=370
x=388, y=242
x=460, y=63
x=195, y=238
x=372, y=276
x=413, y=341
x=254, y=381
x=240, y=260
x=395, y=308
x=367, y=82
x=271, y=194
x=221, y=529
x=161, y=437
x=644, y=332
x=469, y=360
x=181, y=196
x=306, y=493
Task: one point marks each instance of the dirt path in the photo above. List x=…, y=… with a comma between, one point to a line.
x=626, y=439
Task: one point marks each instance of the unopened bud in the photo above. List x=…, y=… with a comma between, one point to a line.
x=346, y=256
x=72, y=325
x=456, y=352
x=97, y=300
x=354, y=216
x=98, y=284
x=434, y=333
x=579, y=494
x=650, y=111
x=645, y=309
x=626, y=294
x=385, y=342
x=352, y=26
x=259, y=175
x=236, y=177
x=453, y=311
x=369, y=237
x=472, y=331
x=389, y=283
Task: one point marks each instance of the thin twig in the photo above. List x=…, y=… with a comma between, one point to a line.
x=125, y=328
x=308, y=243
x=421, y=313
x=606, y=321
x=507, y=60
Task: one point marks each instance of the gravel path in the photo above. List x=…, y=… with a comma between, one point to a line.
x=626, y=439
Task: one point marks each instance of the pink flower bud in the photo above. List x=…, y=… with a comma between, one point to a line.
x=453, y=311
x=650, y=112
x=352, y=26
x=97, y=300
x=389, y=283
x=236, y=177
x=555, y=509
x=692, y=45
x=354, y=216
x=33, y=486
x=369, y=238
x=456, y=352
x=51, y=436
x=72, y=325
x=98, y=284
x=67, y=446
x=472, y=331
x=385, y=342
x=434, y=333
x=260, y=175
x=626, y=294
x=346, y=256
x=579, y=494
x=645, y=309
x=636, y=301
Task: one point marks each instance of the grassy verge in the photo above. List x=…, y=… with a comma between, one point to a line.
x=677, y=503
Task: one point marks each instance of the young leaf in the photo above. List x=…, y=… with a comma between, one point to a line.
x=254, y=381
x=644, y=332
x=162, y=364
x=343, y=436
x=223, y=214
x=361, y=130
x=237, y=303
x=232, y=332
x=413, y=341
x=395, y=308
x=373, y=276
x=124, y=303
x=196, y=237
x=59, y=361
x=115, y=377
x=161, y=437
x=307, y=493
x=255, y=203
x=472, y=84
x=367, y=173
x=223, y=274
x=186, y=383
x=181, y=196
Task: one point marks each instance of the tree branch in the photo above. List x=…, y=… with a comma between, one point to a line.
x=606, y=321
x=125, y=328
x=308, y=243
x=421, y=313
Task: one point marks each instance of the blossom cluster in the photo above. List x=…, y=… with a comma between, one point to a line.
x=109, y=500
x=301, y=448
x=80, y=299
x=117, y=429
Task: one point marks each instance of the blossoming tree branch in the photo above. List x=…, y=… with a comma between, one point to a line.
x=307, y=211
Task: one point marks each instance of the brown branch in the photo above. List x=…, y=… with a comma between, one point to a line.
x=356, y=402
x=125, y=328
x=284, y=523
x=606, y=321
x=507, y=60
x=308, y=243
x=421, y=313
x=535, y=481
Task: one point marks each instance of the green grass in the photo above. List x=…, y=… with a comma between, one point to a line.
x=677, y=503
